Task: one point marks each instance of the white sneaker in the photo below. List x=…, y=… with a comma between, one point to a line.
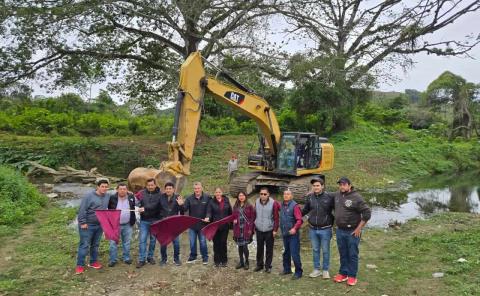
x=325, y=275
x=315, y=273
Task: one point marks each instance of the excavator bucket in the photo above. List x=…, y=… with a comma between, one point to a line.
x=179, y=180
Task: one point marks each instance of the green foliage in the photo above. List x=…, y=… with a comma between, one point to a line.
x=453, y=90
x=19, y=200
x=216, y=126
x=69, y=115
x=398, y=102
x=321, y=109
x=384, y=116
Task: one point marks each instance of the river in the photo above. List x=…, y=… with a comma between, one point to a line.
x=459, y=193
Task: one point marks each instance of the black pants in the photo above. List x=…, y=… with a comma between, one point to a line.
x=243, y=254
x=220, y=246
x=264, y=239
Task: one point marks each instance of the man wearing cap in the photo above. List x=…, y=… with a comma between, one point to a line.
x=319, y=208
x=351, y=215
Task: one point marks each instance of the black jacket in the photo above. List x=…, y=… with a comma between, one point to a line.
x=320, y=209
x=215, y=214
x=152, y=205
x=197, y=208
x=170, y=207
x=350, y=209
x=112, y=205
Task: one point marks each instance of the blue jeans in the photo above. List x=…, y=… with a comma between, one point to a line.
x=291, y=244
x=89, y=242
x=126, y=236
x=320, y=238
x=176, y=250
x=192, y=235
x=142, y=244
x=348, y=250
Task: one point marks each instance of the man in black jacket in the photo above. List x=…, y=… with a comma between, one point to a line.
x=172, y=204
x=319, y=207
x=124, y=201
x=351, y=215
x=150, y=211
x=196, y=205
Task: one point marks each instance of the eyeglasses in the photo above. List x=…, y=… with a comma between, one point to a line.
x=263, y=193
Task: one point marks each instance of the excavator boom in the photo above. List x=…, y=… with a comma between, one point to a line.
x=194, y=83
x=283, y=160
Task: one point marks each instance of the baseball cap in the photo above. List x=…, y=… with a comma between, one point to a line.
x=344, y=180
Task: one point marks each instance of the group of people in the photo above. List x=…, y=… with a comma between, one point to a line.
x=262, y=218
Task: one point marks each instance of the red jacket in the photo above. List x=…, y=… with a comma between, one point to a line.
x=249, y=228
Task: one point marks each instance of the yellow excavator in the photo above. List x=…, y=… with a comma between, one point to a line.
x=283, y=160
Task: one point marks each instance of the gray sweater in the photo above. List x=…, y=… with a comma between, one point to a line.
x=91, y=202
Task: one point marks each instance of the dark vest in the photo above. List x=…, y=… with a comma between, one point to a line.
x=287, y=218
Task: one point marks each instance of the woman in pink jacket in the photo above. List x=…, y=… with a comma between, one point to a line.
x=243, y=227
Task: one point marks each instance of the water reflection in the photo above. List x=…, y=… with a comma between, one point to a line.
x=401, y=207
x=455, y=194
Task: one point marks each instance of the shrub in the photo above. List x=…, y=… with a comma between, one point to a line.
x=19, y=200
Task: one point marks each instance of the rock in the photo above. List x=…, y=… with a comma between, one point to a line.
x=391, y=182
x=438, y=274
x=8, y=258
x=238, y=293
x=371, y=266
x=48, y=186
x=461, y=260
x=52, y=195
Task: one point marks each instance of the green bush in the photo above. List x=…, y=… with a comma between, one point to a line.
x=19, y=200
x=384, y=116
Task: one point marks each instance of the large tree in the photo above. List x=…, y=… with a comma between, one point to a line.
x=354, y=41
x=453, y=90
x=140, y=42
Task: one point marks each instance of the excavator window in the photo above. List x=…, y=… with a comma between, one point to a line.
x=314, y=152
x=286, y=156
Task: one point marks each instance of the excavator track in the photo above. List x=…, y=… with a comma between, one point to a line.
x=252, y=182
x=244, y=182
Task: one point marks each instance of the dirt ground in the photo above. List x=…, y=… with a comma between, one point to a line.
x=187, y=279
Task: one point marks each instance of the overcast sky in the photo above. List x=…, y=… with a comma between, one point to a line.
x=426, y=69
x=429, y=67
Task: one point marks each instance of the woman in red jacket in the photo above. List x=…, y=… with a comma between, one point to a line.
x=243, y=227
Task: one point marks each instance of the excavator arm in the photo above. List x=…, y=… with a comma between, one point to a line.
x=193, y=85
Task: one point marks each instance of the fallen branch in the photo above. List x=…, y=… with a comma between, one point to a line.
x=69, y=174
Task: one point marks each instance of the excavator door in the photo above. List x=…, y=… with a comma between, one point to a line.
x=303, y=153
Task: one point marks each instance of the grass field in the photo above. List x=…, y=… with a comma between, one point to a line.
x=40, y=261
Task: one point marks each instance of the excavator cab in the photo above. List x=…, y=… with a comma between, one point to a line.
x=299, y=151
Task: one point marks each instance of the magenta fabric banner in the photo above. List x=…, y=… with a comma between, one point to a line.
x=166, y=230
x=210, y=230
x=110, y=223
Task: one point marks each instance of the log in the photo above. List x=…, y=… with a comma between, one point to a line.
x=70, y=174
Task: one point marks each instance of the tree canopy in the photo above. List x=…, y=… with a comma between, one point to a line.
x=142, y=42
x=138, y=45
x=355, y=41
x=451, y=89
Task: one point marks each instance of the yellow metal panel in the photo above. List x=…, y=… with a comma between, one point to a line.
x=191, y=73
x=251, y=105
x=327, y=157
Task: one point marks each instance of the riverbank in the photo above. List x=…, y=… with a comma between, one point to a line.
x=374, y=157
x=40, y=260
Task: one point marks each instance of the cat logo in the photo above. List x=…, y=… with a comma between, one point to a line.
x=348, y=203
x=234, y=97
